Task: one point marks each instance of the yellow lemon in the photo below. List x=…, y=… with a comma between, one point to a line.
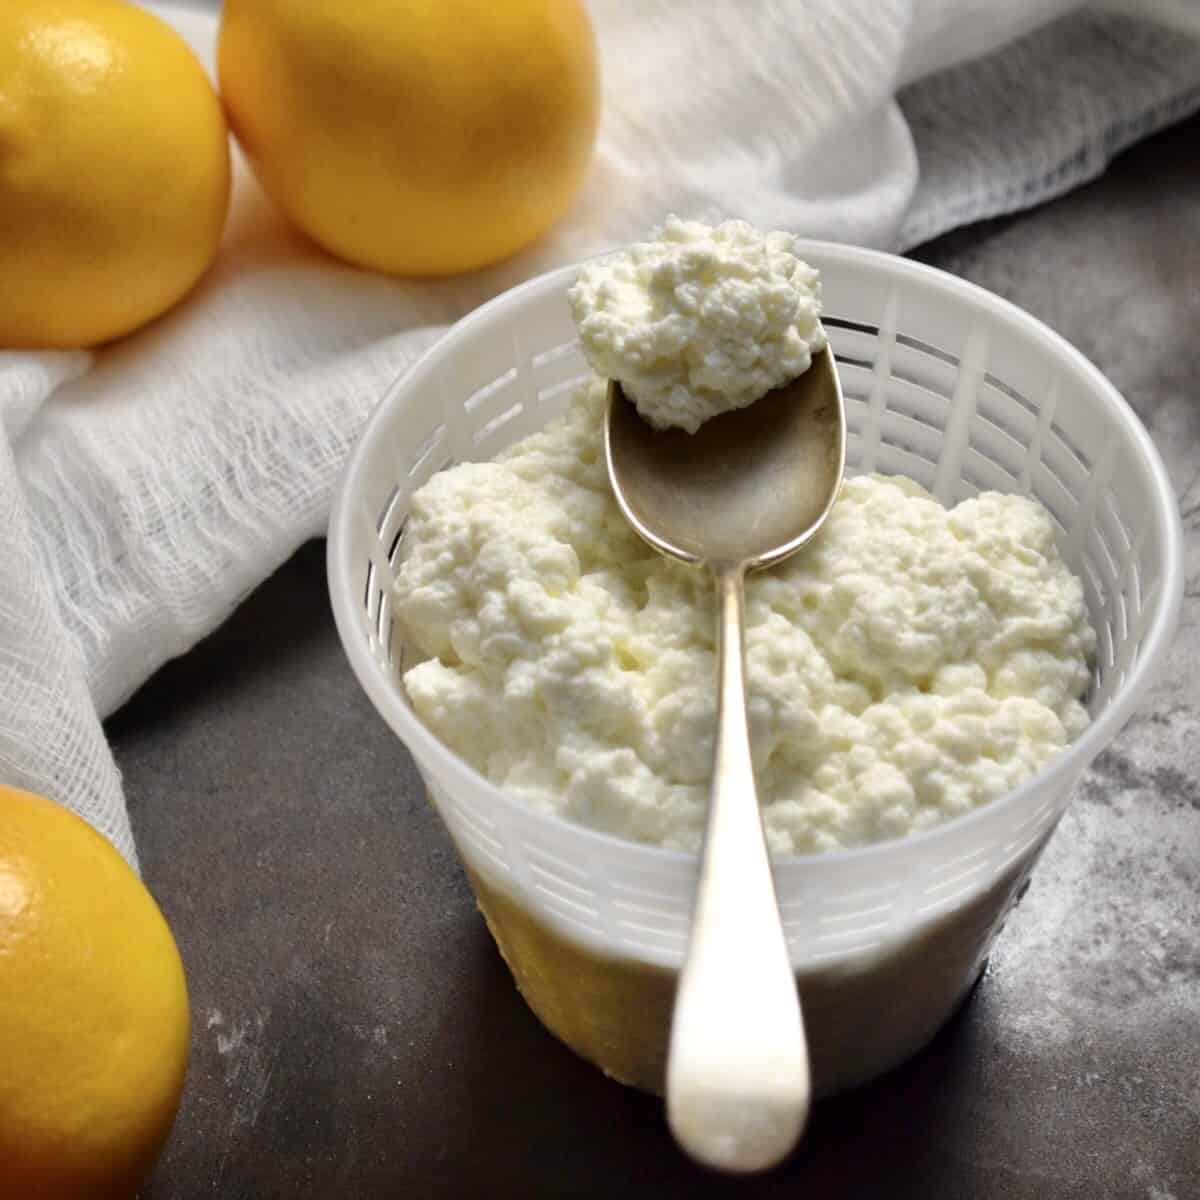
x=93, y=1011
x=114, y=170
x=420, y=137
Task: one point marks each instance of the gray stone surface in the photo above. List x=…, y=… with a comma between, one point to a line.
x=355, y=1033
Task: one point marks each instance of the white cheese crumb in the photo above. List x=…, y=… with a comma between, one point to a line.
x=699, y=320
x=909, y=665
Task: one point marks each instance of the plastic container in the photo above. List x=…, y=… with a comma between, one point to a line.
x=944, y=382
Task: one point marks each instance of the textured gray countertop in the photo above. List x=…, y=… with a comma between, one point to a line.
x=356, y=1034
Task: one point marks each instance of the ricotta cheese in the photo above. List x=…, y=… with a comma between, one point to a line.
x=909, y=665
x=699, y=320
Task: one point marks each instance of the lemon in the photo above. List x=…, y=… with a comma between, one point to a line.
x=114, y=170
x=93, y=1011
x=413, y=136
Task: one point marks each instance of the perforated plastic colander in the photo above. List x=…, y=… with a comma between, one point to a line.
x=944, y=382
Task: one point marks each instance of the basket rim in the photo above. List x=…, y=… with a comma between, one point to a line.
x=451, y=771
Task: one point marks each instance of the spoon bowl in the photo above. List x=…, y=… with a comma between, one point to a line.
x=746, y=490
x=751, y=486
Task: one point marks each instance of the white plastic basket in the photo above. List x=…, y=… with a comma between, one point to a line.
x=945, y=383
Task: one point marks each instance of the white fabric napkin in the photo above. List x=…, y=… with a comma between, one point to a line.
x=146, y=488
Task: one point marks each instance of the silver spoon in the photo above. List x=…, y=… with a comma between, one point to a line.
x=746, y=490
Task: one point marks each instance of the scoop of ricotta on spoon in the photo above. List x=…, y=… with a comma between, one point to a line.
x=699, y=319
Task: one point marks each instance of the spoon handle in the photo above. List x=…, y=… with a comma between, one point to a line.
x=738, y=1088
